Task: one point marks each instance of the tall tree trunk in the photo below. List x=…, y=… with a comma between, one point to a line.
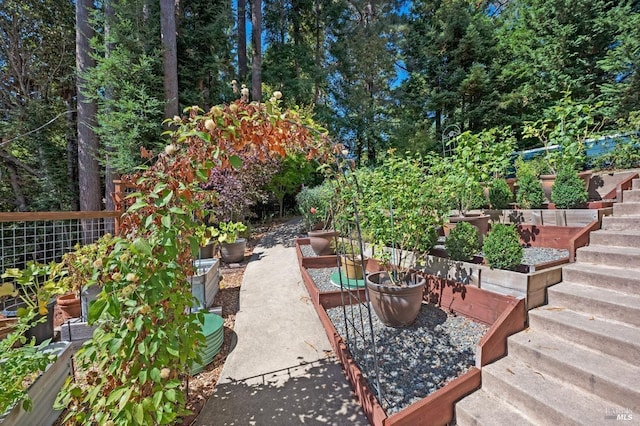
x=256, y=61
x=88, y=168
x=242, y=40
x=109, y=172
x=72, y=151
x=21, y=203
x=169, y=57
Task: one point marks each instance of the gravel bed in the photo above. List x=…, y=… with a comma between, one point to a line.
x=322, y=278
x=414, y=361
x=532, y=255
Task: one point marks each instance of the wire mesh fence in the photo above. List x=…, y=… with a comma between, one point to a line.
x=45, y=237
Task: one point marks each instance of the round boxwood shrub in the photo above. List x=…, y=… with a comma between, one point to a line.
x=568, y=191
x=530, y=194
x=463, y=241
x=500, y=194
x=501, y=248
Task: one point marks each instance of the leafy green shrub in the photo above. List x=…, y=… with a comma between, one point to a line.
x=623, y=156
x=463, y=241
x=315, y=205
x=568, y=191
x=529, y=194
x=501, y=248
x=500, y=194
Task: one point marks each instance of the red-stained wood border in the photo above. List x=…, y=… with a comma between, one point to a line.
x=581, y=239
x=504, y=314
x=437, y=408
x=559, y=237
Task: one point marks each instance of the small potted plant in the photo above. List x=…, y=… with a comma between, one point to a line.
x=232, y=246
x=36, y=287
x=315, y=206
x=351, y=259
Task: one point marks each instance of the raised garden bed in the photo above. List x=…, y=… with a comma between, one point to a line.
x=502, y=315
x=43, y=391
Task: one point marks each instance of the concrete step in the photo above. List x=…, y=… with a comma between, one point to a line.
x=626, y=257
x=621, y=223
x=608, y=277
x=614, y=380
x=632, y=195
x=602, y=302
x=615, y=238
x=612, y=338
x=627, y=208
x=482, y=408
x=540, y=397
x=635, y=183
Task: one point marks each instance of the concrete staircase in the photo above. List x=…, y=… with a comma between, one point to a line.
x=578, y=363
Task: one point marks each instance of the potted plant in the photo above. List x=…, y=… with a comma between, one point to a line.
x=232, y=246
x=476, y=158
x=315, y=206
x=400, y=210
x=350, y=258
x=35, y=287
x=562, y=132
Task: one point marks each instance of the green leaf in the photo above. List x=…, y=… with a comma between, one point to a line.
x=166, y=221
x=236, y=162
x=96, y=308
x=170, y=394
x=138, y=414
x=142, y=246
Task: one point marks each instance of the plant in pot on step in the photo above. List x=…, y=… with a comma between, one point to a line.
x=563, y=132
x=232, y=245
x=476, y=158
x=399, y=211
x=315, y=205
x=35, y=287
x=350, y=257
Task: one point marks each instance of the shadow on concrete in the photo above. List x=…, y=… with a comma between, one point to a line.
x=312, y=394
x=284, y=234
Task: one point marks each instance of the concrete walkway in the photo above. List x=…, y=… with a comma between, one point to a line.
x=281, y=371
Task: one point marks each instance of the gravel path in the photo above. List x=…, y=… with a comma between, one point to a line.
x=414, y=361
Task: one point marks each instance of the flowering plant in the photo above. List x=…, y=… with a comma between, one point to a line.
x=315, y=206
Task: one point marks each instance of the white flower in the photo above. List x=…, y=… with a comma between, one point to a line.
x=245, y=92
x=170, y=149
x=277, y=94
x=209, y=124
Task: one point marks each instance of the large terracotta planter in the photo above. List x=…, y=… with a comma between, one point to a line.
x=547, y=182
x=396, y=305
x=321, y=242
x=70, y=306
x=233, y=252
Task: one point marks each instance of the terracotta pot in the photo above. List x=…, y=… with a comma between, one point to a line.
x=70, y=306
x=481, y=222
x=7, y=325
x=206, y=252
x=352, y=268
x=321, y=242
x=547, y=182
x=396, y=306
x=233, y=252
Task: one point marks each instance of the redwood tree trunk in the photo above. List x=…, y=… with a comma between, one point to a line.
x=242, y=40
x=88, y=168
x=169, y=57
x=256, y=61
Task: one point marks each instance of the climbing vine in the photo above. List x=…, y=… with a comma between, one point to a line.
x=133, y=370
